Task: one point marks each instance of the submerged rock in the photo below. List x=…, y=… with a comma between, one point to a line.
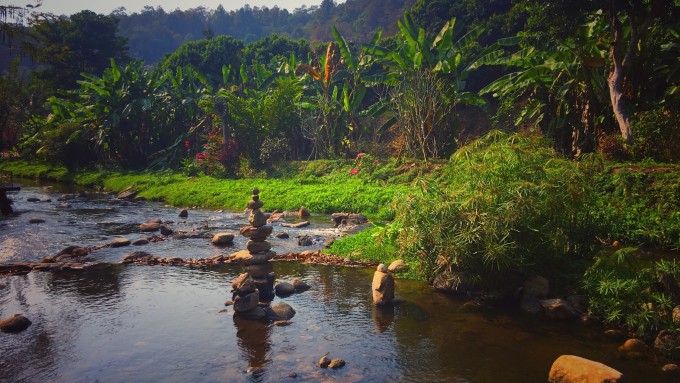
x=14, y=324
x=574, y=369
x=119, y=242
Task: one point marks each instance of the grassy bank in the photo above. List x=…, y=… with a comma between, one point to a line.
x=501, y=209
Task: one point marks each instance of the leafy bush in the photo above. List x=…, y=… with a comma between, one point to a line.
x=624, y=292
x=508, y=205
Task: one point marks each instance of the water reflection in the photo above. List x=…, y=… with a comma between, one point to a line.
x=383, y=317
x=253, y=341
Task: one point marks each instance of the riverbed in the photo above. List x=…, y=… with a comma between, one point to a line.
x=133, y=323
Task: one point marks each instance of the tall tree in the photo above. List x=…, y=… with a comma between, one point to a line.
x=83, y=43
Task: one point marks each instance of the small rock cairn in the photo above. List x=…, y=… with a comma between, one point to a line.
x=257, y=283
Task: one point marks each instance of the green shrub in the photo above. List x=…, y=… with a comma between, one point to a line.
x=508, y=205
x=623, y=291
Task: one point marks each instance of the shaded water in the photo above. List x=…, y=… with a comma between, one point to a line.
x=151, y=324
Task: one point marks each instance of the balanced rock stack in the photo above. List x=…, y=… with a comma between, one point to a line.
x=256, y=257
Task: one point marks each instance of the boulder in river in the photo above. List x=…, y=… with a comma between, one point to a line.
x=558, y=309
x=183, y=213
x=382, y=286
x=140, y=242
x=246, y=302
x=300, y=285
x=281, y=311
x=14, y=324
x=282, y=235
x=150, y=226
x=166, y=231
x=303, y=212
x=243, y=284
x=574, y=369
x=336, y=363
x=119, y=242
x=634, y=349
x=33, y=199
x=36, y=220
x=221, y=239
x=284, y=289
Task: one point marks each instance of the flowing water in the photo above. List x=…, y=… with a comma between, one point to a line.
x=167, y=324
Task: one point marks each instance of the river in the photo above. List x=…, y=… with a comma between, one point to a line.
x=135, y=323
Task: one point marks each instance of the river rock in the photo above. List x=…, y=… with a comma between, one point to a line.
x=36, y=220
x=259, y=271
x=397, y=266
x=282, y=323
x=140, y=242
x=14, y=324
x=33, y=199
x=243, y=284
x=296, y=225
x=558, y=309
x=166, y=230
x=119, y=242
x=574, y=369
x=537, y=286
x=221, y=239
x=671, y=370
x=284, y=289
x=257, y=218
x=258, y=247
x=324, y=361
x=150, y=226
x=183, y=213
x=74, y=251
x=305, y=240
x=256, y=233
x=300, y=285
x=382, y=286
x=634, y=349
x=247, y=302
x=245, y=258
x=281, y=311
x=336, y=363
x=303, y=212
x=137, y=257
x=282, y=235
x=265, y=285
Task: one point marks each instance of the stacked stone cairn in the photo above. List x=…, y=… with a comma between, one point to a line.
x=257, y=283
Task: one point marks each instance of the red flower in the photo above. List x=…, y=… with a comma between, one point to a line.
x=353, y=171
x=187, y=144
x=360, y=155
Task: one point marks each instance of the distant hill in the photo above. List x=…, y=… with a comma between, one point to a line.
x=153, y=32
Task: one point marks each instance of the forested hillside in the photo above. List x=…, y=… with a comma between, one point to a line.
x=154, y=32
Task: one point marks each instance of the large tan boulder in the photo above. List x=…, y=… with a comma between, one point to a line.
x=574, y=369
x=397, y=266
x=382, y=286
x=119, y=242
x=221, y=239
x=150, y=226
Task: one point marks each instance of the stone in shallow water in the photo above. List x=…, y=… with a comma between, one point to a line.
x=337, y=363
x=246, y=302
x=284, y=288
x=221, y=239
x=150, y=226
x=257, y=218
x=574, y=369
x=261, y=270
x=243, y=284
x=281, y=311
x=14, y=324
x=119, y=242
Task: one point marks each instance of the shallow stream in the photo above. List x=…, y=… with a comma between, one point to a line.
x=137, y=323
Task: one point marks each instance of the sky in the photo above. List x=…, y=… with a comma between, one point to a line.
x=69, y=7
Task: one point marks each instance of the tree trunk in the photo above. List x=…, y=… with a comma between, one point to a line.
x=619, y=101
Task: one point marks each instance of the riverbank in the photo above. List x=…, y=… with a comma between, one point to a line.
x=503, y=209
